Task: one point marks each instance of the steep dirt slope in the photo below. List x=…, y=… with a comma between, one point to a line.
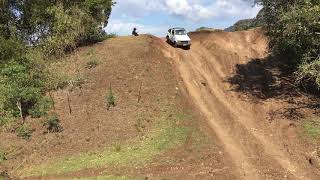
x=157, y=137
x=226, y=135
x=256, y=147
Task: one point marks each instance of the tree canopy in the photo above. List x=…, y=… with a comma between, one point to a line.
x=32, y=31
x=294, y=30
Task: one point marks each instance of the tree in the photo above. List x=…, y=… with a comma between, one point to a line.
x=294, y=30
x=48, y=29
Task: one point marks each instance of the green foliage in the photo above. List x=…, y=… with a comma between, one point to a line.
x=7, y=122
x=40, y=108
x=242, y=25
x=111, y=35
x=246, y=24
x=116, y=147
x=77, y=82
x=2, y=156
x=312, y=128
x=162, y=137
x=56, y=79
x=92, y=64
x=294, y=31
x=24, y=131
x=20, y=86
x=111, y=99
x=33, y=31
x=52, y=124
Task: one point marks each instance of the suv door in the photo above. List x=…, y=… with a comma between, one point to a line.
x=169, y=35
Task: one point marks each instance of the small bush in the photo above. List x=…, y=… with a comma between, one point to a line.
x=52, y=124
x=24, y=131
x=57, y=81
x=312, y=128
x=116, y=147
x=139, y=125
x=111, y=99
x=2, y=156
x=4, y=175
x=77, y=82
x=7, y=122
x=5, y=119
x=40, y=108
x=92, y=64
x=111, y=35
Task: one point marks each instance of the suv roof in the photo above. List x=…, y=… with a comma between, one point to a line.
x=178, y=28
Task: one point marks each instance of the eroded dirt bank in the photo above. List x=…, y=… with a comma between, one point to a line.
x=259, y=149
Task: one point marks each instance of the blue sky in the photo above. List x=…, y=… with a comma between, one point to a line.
x=156, y=16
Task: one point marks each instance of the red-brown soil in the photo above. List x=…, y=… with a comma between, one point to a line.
x=224, y=80
x=259, y=148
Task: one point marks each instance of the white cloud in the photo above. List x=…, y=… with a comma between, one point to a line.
x=123, y=27
x=194, y=10
x=146, y=15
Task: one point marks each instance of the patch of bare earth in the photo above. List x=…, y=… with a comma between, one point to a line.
x=222, y=85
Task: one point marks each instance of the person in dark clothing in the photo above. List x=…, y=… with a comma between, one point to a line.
x=134, y=32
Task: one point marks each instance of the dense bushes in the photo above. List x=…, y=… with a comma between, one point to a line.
x=33, y=32
x=52, y=124
x=294, y=30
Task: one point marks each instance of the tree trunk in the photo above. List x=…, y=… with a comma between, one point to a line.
x=19, y=105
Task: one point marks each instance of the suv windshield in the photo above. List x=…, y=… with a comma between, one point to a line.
x=180, y=32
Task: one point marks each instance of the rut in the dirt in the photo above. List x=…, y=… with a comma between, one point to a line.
x=240, y=126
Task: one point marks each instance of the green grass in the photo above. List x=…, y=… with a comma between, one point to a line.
x=2, y=157
x=92, y=64
x=165, y=135
x=107, y=178
x=312, y=128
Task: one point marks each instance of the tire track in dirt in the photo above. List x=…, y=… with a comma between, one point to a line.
x=238, y=125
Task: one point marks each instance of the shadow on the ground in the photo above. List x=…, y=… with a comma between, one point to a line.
x=181, y=47
x=263, y=79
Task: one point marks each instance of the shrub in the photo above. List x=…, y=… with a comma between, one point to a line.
x=116, y=147
x=77, y=82
x=52, y=124
x=111, y=99
x=111, y=35
x=294, y=31
x=40, y=108
x=24, y=131
x=56, y=80
x=92, y=64
x=4, y=175
x=7, y=122
x=2, y=156
x=21, y=87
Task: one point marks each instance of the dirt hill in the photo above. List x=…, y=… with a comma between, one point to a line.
x=260, y=149
x=179, y=114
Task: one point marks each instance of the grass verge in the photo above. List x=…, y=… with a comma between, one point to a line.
x=165, y=135
x=107, y=178
x=311, y=128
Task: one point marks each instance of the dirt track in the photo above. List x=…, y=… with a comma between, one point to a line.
x=240, y=125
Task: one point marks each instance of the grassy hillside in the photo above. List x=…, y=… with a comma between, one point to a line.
x=150, y=132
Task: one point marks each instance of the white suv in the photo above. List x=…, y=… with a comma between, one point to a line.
x=179, y=37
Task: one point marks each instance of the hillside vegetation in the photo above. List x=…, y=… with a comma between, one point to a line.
x=32, y=34
x=246, y=24
x=150, y=130
x=294, y=31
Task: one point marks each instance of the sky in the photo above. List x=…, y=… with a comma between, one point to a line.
x=157, y=16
